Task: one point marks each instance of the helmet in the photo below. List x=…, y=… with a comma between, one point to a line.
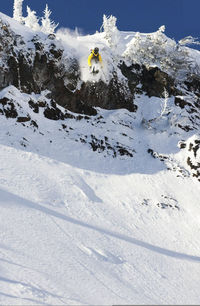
x=96, y=50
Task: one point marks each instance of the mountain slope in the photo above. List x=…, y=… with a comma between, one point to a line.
x=72, y=236
x=100, y=205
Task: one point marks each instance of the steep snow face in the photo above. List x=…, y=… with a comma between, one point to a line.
x=100, y=209
x=80, y=228
x=118, y=134
x=96, y=210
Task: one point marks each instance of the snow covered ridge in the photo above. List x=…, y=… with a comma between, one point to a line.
x=47, y=74
x=58, y=62
x=152, y=49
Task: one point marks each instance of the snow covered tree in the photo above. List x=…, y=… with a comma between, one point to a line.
x=165, y=109
x=162, y=29
x=110, y=30
x=189, y=40
x=157, y=49
x=17, y=10
x=31, y=20
x=48, y=26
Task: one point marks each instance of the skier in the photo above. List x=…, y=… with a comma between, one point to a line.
x=93, y=59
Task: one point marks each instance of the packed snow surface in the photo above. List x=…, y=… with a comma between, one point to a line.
x=79, y=227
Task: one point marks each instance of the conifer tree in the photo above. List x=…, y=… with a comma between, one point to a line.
x=48, y=26
x=110, y=30
x=31, y=20
x=17, y=10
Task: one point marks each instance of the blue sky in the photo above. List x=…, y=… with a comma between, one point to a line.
x=181, y=17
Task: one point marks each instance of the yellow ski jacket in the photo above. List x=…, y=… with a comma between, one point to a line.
x=96, y=57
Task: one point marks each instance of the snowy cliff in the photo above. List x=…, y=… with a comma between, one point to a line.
x=99, y=176
x=160, y=91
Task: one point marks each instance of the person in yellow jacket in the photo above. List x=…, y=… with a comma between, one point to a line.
x=94, y=58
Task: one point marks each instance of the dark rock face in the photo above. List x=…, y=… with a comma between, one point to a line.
x=193, y=84
x=6, y=43
x=34, y=106
x=112, y=96
x=180, y=102
x=36, y=69
x=192, y=107
x=153, y=81
x=53, y=112
x=133, y=74
x=47, y=74
x=193, y=159
x=45, y=66
x=8, y=108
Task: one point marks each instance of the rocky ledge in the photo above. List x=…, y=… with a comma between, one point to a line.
x=42, y=64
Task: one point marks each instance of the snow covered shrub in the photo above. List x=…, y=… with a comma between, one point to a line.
x=147, y=49
x=157, y=49
x=31, y=20
x=110, y=30
x=48, y=26
x=189, y=40
x=17, y=10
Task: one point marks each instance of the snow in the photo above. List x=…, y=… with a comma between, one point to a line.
x=126, y=49
x=18, y=28
x=73, y=236
x=76, y=236
x=78, y=227
x=84, y=228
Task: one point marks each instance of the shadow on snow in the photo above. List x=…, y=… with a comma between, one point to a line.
x=16, y=200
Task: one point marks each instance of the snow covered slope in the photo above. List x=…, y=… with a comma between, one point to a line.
x=72, y=236
x=92, y=227
x=102, y=209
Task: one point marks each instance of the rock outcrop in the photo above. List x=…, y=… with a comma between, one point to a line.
x=152, y=81
x=192, y=151
x=44, y=66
